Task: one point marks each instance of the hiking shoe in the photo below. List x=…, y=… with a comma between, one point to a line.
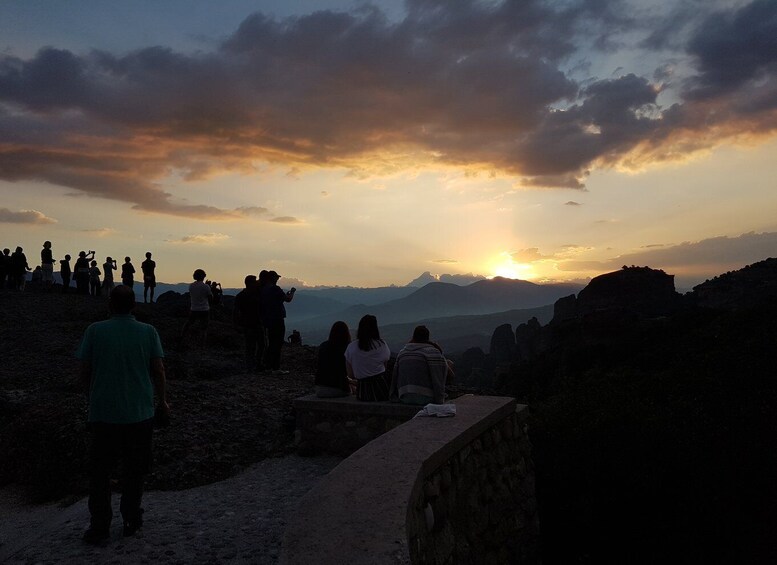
x=96, y=536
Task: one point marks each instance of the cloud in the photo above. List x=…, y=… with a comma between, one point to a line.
x=460, y=279
x=251, y=211
x=572, y=203
x=100, y=232
x=477, y=85
x=445, y=261
x=289, y=220
x=529, y=255
x=691, y=262
x=728, y=252
x=202, y=238
x=24, y=217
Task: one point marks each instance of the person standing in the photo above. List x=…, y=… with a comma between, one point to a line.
x=19, y=268
x=273, y=307
x=94, y=279
x=47, y=265
x=246, y=316
x=199, y=312
x=122, y=365
x=108, y=267
x=65, y=272
x=82, y=271
x=5, y=268
x=149, y=278
x=127, y=273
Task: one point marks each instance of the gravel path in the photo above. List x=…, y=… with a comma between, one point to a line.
x=238, y=520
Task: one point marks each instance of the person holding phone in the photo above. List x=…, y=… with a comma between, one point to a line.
x=273, y=310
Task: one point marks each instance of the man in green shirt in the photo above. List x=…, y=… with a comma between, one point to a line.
x=121, y=363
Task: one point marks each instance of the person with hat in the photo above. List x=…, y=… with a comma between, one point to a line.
x=273, y=310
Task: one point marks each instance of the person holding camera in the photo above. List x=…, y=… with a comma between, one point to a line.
x=81, y=269
x=273, y=310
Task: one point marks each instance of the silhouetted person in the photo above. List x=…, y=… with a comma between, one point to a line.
x=5, y=268
x=81, y=269
x=65, y=272
x=94, y=279
x=127, y=273
x=216, y=292
x=149, y=278
x=331, y=373
x=19, y=268
x=246, y=316
x=199, y=312
x=121, y=363
x=295, y=338
x=47, y=265
x=37, y=277
x=419, y=371
x=108, y=267
x=274, y=319
x=366, y=360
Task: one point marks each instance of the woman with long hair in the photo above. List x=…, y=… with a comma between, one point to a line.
x=366, y=360
x=331, y=373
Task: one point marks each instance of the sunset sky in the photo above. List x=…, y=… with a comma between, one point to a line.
x=365, y=143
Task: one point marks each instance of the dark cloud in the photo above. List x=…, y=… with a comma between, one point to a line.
x=24, y=217
x=691, y=262
x=726, y=252
x=734, y=47
x=464, y=83
x=445, y=261
x=572, y=203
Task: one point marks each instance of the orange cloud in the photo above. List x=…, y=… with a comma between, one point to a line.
x=469, y=85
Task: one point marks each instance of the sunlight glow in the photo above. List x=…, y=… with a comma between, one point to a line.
x=511, y=270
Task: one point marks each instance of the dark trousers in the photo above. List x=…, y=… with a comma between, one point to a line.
x=276, y=333
x=82, y=283
x=130, y=443
x=65, y=282
x=255, y=347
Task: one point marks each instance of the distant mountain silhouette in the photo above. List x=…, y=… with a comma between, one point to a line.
x=461, y=280
x=437, y=300
x=458, y=333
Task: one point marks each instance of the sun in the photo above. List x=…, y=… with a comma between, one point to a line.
x=509, y=269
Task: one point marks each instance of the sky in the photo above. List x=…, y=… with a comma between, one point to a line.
x=345, y=143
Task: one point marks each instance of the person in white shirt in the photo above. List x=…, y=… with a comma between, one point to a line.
x=199, y=312
x=366, y=360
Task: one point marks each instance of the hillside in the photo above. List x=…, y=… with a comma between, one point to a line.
x=458, y=333
x=654, y=419
x=223, y=418
x=438, y=300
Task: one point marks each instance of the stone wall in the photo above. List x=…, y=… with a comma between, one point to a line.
x=432, y=490
x=480, y=506
x=340, y=426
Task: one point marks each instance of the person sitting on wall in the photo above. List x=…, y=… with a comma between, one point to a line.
x=366, y=359
x=331, y=373
x=419, y=372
